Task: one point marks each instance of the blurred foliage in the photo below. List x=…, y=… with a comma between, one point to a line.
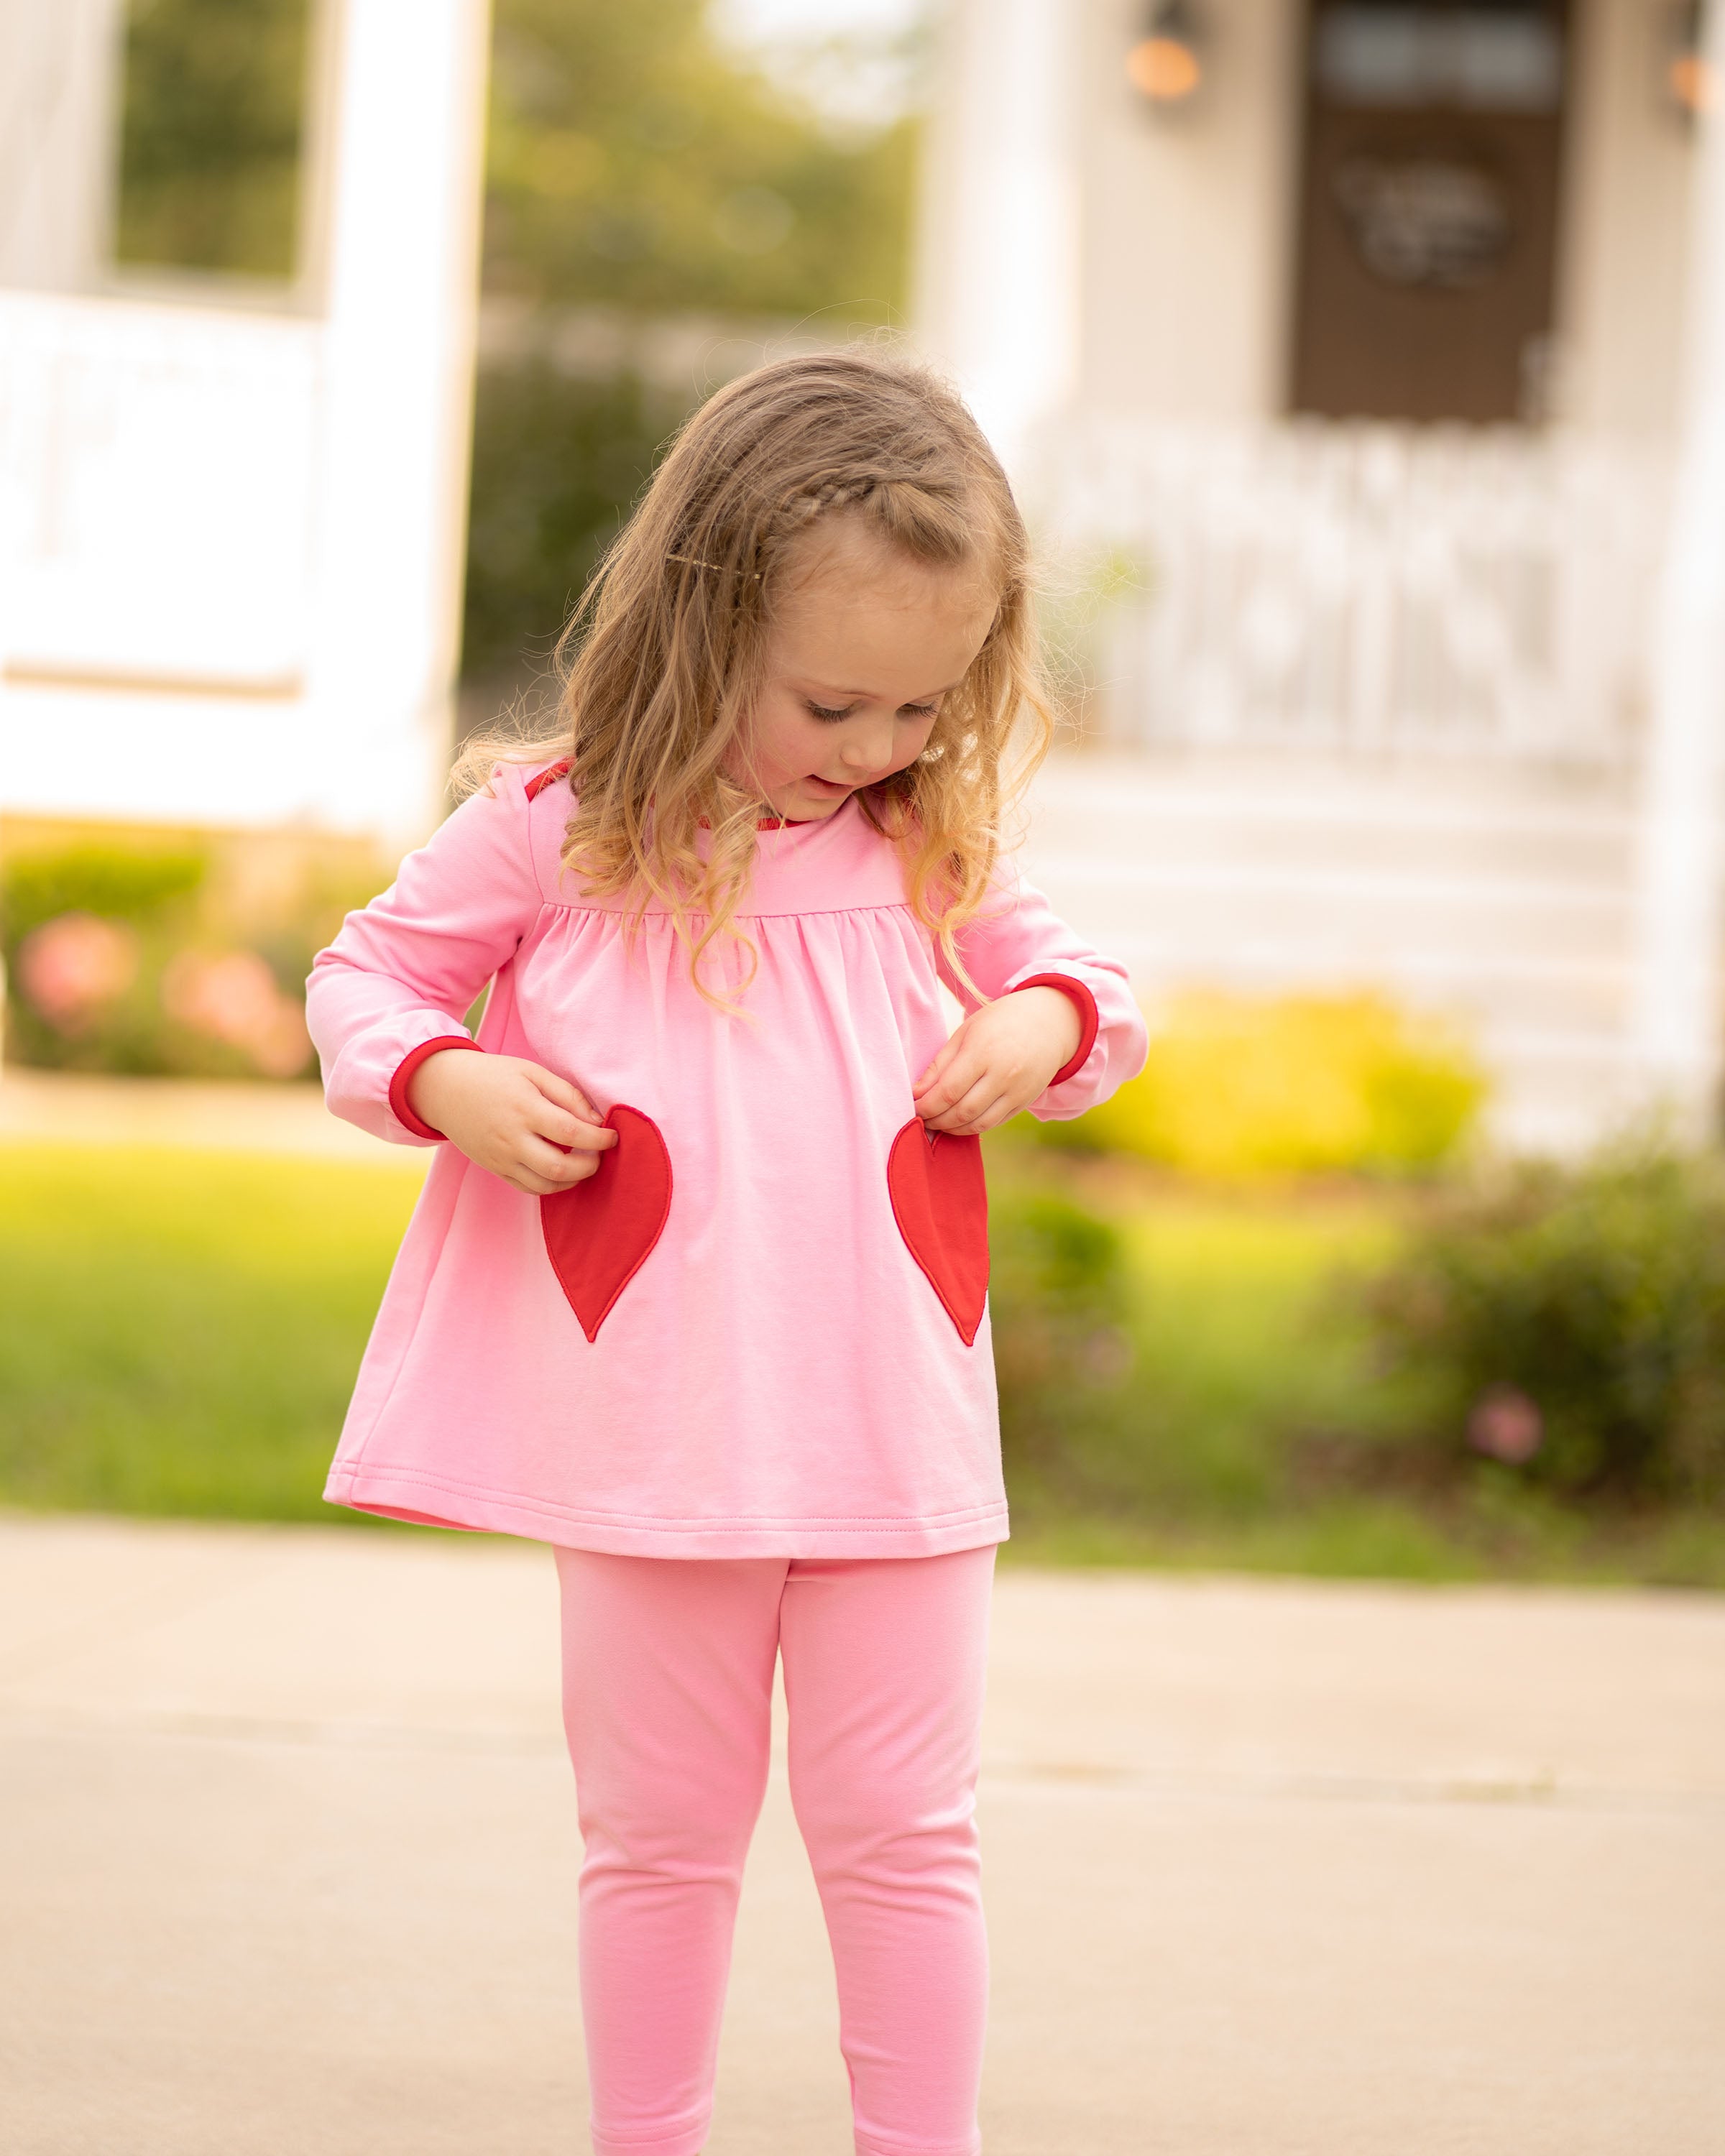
x=1161, y=1347
x=1237, y=1086
x=558, y=463
x=210, y=134
x=1568, y=1324
x=633, y=160
x=151, y=954
x=1249, y=1415
x=117, y=883
x=1058, y=1304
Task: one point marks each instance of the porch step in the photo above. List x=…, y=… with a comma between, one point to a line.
x=1497, y=896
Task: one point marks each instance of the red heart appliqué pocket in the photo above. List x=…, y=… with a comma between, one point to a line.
x=940, y=1200
x=600, y=1233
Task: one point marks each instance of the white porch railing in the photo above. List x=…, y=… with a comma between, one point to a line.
x=1370, y=588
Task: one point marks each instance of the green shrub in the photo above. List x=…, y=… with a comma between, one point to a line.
x=634, y=158
x=1059, y=1301
x=558, y=462
x=1570, y=1323
x=141, y=954
x=119, y=884
x=1301, y=1084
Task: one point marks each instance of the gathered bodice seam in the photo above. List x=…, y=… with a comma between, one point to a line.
x=788, y=913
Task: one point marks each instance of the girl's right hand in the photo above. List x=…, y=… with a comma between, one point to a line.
x=524, y=1123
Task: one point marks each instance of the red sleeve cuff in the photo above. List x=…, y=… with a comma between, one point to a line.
x=1089, y=1019
x=403, y=1074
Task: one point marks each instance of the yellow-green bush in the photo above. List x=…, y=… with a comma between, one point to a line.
x=1238, y=1085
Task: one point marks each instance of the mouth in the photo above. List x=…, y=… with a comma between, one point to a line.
x=830, y=788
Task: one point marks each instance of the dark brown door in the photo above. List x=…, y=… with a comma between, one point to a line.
x=1429, y=215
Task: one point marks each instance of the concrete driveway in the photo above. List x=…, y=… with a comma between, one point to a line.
x=288, y=1860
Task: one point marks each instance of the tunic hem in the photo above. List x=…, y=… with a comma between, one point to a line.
x=403, y=1494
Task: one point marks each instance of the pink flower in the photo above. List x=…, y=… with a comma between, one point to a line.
x=1506, y=1424
x=231, y=996
x=72, y=965
x=280, y=1050
x=1105, y=1356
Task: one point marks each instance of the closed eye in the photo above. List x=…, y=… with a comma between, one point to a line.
x=848, y=710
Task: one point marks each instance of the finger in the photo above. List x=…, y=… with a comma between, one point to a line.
x=973, y=1127
x=965, y=1071
x=999, y=1111
x=964, y=1118
x=537, y=1157
x=563, y=1092
x=562, y=1128
x=530, y=1186
x=577, y=1167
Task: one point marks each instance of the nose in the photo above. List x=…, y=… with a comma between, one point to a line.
x=868, y=743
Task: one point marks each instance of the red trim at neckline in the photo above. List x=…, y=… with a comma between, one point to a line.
x=548, y=776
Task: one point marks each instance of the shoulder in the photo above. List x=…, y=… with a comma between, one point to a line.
x=534, y=802
x=496, y=833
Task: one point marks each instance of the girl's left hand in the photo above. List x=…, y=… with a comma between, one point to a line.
x=997, y=1062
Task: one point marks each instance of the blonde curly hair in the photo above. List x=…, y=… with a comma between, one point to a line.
x=662, y=658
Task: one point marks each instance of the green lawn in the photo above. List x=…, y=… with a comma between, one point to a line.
x=179, y=1330
x=1242, y=1336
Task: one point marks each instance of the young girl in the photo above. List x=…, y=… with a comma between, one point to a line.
x=695, y=1289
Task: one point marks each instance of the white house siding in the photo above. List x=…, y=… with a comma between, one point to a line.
x=1188, y=220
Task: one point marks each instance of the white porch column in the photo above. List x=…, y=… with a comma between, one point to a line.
x=999, y=294
x=408, y=147
x=59, y=69
x=1679, y=1025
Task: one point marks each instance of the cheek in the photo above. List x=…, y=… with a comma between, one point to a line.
x=780, y=733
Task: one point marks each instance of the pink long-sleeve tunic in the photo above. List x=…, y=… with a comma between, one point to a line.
x=759, y=1330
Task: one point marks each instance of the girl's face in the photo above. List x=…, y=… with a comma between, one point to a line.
x=863, y=647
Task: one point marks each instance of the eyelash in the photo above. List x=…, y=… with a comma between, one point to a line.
x=912, y=711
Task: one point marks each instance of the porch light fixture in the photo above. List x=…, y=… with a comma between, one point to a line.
x=1165, y=65
x=1690, y=82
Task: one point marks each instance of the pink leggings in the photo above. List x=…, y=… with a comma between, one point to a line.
x=667, y=1700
